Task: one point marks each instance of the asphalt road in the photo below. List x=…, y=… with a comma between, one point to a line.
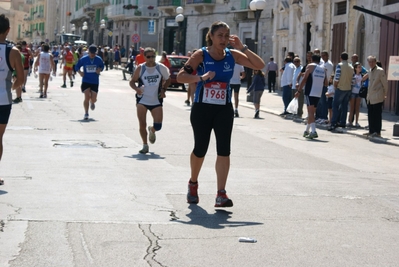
x=78, y=193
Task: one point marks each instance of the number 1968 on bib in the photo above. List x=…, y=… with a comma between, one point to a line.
x=215, y=93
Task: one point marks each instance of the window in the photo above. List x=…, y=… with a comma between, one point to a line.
x=391, y=2
x=340, y=8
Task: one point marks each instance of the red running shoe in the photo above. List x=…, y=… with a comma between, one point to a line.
x=222, y=200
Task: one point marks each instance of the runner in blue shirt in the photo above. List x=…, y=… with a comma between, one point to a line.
x=92, y=66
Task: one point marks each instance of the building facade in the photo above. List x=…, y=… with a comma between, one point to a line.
x=335, y=26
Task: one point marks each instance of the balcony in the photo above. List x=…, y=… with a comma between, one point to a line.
x=89, y=10
x=78, y=16
x=98, y=3
x=201, y=5
x=142, y=13
x=28, y=2
x=169, y=6
x=117, y=12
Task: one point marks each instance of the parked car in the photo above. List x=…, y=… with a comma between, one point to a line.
x=176, y=63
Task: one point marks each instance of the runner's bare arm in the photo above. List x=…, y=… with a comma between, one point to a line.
x=185, y=73
x=17, y=65
x=134, y=79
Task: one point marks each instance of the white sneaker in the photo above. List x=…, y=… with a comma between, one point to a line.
x=144, y=150
x=151, y=135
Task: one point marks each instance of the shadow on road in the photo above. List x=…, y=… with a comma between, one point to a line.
x=3, y=192
x=148, y=156
x=217, y=220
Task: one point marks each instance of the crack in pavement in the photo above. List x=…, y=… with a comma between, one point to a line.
x=153, y=247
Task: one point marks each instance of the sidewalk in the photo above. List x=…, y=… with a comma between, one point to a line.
x=272, y=103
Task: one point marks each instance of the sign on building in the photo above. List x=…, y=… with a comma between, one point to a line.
x=151, y=26
x=393, y=68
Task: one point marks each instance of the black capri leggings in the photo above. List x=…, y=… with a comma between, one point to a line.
x=204, y=118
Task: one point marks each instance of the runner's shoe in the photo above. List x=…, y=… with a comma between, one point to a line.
x=17, y=100
x=151, y=135
x=23, y=89
x=41, y=95
x=63, y=86
x=144, y=150
x=187, y=102
x=86, y=117
x=92, y=106
x=71, y=83
x=222, y=200
x=305, y=133
x=192, y=193
x=312, y=135
x=236, y=114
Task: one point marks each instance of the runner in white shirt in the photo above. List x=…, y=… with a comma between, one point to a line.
x=45, y=63
x=153, y=78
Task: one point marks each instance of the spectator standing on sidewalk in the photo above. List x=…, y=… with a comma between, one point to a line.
x=128, y=69
x=322, y=107
x=258, y=86
x=235, y=84
x=295, y=85
x=272, y=74
x=11, y=61
x=376, y=94
x=354, y=104
x=286, y=82
x=343, y=91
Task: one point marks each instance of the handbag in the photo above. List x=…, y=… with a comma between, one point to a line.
x=363, y=92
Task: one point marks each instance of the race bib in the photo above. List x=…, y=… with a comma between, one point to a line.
x=215, y=93
x=91, y=68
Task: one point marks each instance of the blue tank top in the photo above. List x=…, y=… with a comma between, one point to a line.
x=218, y=90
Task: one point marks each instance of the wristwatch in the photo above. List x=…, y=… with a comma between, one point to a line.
x=244, y=48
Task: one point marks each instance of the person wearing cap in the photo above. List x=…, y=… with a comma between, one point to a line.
x=92, y=66
x=68, y=60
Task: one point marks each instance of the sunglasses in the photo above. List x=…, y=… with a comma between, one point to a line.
x=150, y=57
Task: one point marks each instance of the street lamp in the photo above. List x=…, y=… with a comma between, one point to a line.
x=102, y=27
x=257, y=7
x=84, y=28
x=179, y=19
x=73, y=28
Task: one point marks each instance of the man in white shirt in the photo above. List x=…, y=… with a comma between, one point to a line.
x=286, y=83
x=322, y=108
x=298, y=68
x=235, y=84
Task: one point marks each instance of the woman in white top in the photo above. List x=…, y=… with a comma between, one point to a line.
x=45, y=63
x=355, y=100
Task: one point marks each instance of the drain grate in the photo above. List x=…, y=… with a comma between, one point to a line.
x=78, y=144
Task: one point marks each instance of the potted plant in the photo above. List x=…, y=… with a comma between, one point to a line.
x=150, y=7
x=137, y=13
